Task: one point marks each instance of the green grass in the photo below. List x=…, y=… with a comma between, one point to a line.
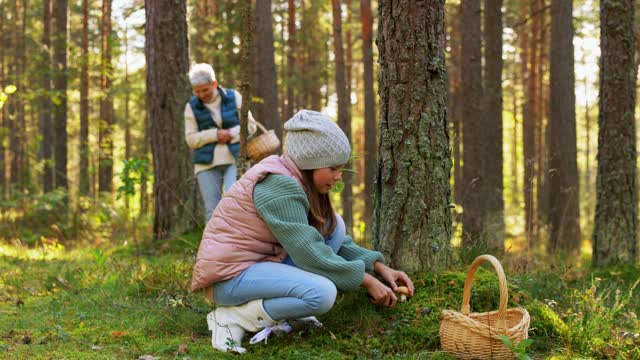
x=122, y=302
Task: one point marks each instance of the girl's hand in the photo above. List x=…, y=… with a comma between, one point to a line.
x=393, y=277
x=380, y=293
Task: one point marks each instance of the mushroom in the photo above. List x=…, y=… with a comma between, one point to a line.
x=403, y=291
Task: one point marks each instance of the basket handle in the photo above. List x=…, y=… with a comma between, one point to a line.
x=262, y=128
x=504, y=296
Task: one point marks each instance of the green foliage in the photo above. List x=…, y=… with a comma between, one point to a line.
x=4, y=94
x=135, y=171
x=519, y=350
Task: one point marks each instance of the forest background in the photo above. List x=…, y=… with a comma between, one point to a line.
x=476, y=128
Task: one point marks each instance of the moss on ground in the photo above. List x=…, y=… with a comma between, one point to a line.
x=128, y=301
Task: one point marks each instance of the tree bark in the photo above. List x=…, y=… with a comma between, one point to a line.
x=84, y=102
x=246, y=40
x=4, y=78
x=24, y=140
x=45, y=122
x=474, y=158
x=266, y=86
x=17, y=105
x=562, y=177
x=166, y=53
x=344, y=118
x=494, y=183
x=455, y=102
x=412, y=221
x=105, y=136
x=370, y=126
x=515, y=188
x=616, y=217
x=542, y=114
x=60, y=9
x=291, y=61
x=528, y=125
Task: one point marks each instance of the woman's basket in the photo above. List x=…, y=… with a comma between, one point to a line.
x=476, y=335
x=263, y=145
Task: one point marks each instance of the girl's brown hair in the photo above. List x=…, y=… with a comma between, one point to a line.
x=320, y=209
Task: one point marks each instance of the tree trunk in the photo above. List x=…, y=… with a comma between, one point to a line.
x=84, y=102
x=144, y=198
x=127, y=86
x=587, y=155
x=370, y=126
x=474, y=158
x=45, y=123
x=528, y=127
x=494, y=183
x=198, y=44
x=4, y=78
x=542, y=95
x=348, y=54
x=59, y=13
x=412, y=221
x=515, y=189
x=455, y=103
x=246, y=40
x=24, y=140
x=562, y=177
x=105, y=136
x=266, y=86
x=17, y=105
x=166, y=53
x=291, y=61
x=616, y=218
x=344, y=119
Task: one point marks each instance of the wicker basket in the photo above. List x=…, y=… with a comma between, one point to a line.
x=475, y=335
x=263, y=145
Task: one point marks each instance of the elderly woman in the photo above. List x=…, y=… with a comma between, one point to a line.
x=212, y=130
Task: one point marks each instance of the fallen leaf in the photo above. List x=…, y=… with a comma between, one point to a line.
x=333, y=337
x=96, y=347
x=117, y=334
x=183, y=349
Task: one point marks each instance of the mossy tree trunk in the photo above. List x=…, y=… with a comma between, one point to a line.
x=412, y=220
x=616, y=218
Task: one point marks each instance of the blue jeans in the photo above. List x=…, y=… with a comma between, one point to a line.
x=288, y=292
x=211, y=181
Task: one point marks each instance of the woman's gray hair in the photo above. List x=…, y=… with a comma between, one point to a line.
x=201, y=74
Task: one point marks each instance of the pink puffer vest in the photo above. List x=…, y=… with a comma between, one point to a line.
x=236, y=237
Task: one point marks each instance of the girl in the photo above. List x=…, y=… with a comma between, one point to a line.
x=274, y=249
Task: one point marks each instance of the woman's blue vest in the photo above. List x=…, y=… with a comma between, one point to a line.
x=204, y=117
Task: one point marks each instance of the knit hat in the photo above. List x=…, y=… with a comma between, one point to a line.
x=314, y=141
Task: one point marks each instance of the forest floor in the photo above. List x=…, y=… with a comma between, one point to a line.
x=129, y=302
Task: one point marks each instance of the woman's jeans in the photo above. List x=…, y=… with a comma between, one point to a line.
x=211, y=181
x=288, y=292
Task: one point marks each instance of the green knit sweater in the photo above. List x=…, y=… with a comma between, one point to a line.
x=283, y=205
